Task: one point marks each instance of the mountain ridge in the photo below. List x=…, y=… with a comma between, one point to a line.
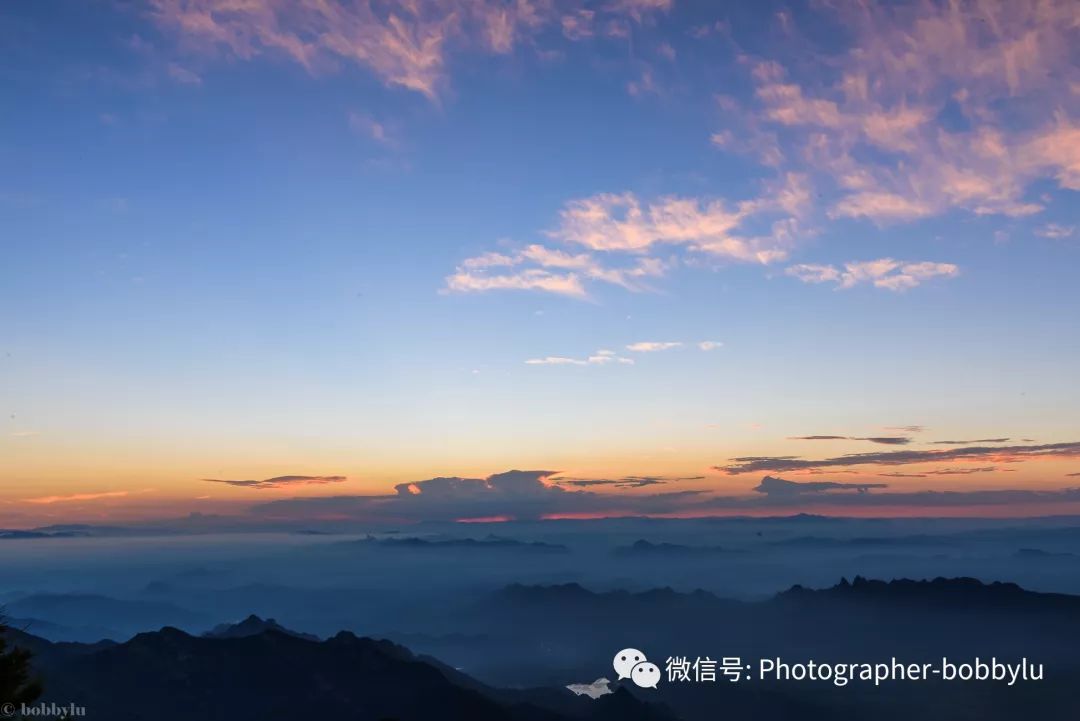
x=278, y=674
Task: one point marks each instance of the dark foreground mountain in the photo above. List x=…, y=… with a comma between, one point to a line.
x=272, y=674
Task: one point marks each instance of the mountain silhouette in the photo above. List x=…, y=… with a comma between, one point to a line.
x=253, y=626
x=273, y=674
x=942, y=593
x=125, y=617
x=490, y=542
x=532, y=629
x=642, y=547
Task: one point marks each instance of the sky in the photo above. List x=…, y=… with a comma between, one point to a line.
x=363, y=259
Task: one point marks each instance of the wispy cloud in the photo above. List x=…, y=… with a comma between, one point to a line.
x=873, y=138
x=946, y=472
x=883, y=440
x=778, y=487
x=924, y=111
x=280, y=481
x=645, y=83
x=183, y=75
x=538, y=267
x=882, y=273
x=48, y=500
x=366, y=125
x=620, y=239
x=606, y=357
x=653, y=346
x=624, y=481
x=1012, y=454
x=622, y=222
x=404, y=44
x=470, y=281
x=1055, y=231
x=599, y=358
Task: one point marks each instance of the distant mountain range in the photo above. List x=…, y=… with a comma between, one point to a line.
x=642, y=547
x=92, y=617
x=939, y=593
x=511, y=654
x=7, y=535
x=532, y=629
x=490, y=542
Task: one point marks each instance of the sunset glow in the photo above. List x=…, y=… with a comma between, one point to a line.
x=291, y=261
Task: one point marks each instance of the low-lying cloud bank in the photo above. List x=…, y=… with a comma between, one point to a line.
x=1003, y=454
x=539, y=494
x=280, y=481
x=882, y=440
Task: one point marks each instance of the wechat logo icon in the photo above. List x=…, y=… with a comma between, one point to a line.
x=630, y=663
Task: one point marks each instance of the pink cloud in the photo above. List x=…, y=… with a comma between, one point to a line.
x=653, y=346
x=1055, y=231
x=538, y=267
x=49, y=500
x=882, y=273
x=405, y=43
x=182, y=75
x=617, y=238
x=876, y=131
x=622, y=223
x=578, y=25
x=465, y=281
x=880, y=205
x=366, y=125
x=1057, y=149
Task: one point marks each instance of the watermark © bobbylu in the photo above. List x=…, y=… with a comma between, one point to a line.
x=42, y=710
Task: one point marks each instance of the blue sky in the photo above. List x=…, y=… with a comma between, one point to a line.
x=292, y=241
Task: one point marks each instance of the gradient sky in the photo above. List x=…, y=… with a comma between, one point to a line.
x=350, y=246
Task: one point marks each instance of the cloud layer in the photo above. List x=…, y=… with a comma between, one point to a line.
x=527, y=495
x=882, y=273
x=75, y=497
x=1010, y=454
x=883, y=440
x=925, y=108
x=608, y=357
x=930, y=108
x=281, y=481
x=403, y=43
x=933, y=107
x=780, y=488
x=623, y=240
